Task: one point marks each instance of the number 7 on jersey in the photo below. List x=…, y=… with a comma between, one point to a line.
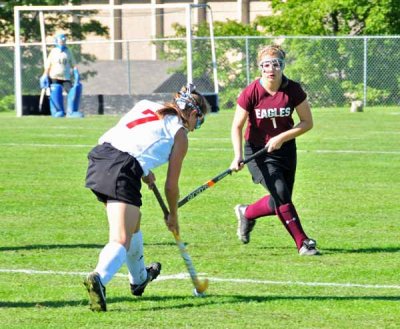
x=148, y=115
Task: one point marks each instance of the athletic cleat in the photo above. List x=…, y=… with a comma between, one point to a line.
x=309, y=248
x=97, y=292
x=153, y=270
x=245, y=226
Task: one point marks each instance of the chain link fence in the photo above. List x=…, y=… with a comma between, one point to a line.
x=333, y=70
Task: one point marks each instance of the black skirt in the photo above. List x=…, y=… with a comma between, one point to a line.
x=114, y=175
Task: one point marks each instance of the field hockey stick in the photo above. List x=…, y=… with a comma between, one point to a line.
x=217, y=178
x=200, y=287
x=41, y=99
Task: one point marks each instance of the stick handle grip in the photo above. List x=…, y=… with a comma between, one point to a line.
x=160, y=201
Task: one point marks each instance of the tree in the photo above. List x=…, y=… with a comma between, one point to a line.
x=229, y=53
x=332, y=17
x=339, y=17
x=30, y=32
x=30, y=23
x=331, y=70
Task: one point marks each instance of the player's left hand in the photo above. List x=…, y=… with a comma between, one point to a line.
x=172, y=223
x=150, y=179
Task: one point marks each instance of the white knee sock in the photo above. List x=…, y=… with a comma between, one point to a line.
x=135, y=259
x=111, y=258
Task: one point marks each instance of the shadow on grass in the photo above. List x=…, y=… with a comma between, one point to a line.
x=370, y=250
x=184, y=301
x=71, y=246
x=326, y=251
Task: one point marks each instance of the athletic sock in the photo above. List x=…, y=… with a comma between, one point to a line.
x=111, y=258
x=290, y=219
x=259, y=208
x=135, y=260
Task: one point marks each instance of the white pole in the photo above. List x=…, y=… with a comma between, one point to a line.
x=43, y=35
x=112, y=29
x=17, y=59
x=153, y=28
x=213, y=55
x=239, y=10
x=189, y=43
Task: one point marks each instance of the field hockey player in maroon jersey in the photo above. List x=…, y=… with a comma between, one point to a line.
x=267, y=105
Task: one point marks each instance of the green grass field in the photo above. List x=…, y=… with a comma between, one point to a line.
x=347, y=193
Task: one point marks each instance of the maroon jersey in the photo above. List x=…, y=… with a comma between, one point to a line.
x=269, y=115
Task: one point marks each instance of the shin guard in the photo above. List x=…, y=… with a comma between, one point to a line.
x=74, y=97
x=290, y=219
x=56, y=100
x=260, y=208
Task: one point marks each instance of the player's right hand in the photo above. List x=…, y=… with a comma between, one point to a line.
x=237, y=164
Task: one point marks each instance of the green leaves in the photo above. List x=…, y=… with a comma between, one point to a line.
x=332, y=17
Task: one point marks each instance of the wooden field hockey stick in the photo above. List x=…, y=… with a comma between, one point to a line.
x=41, y=99
x=200, y=287
x=217, y=178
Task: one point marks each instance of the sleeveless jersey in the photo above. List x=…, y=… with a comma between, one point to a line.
x=269, y=115
x=145, y=136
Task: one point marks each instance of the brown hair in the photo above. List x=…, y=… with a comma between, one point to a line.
x=271, y=50
x=193, y=99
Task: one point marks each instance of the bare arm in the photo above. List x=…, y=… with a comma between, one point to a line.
x=239, y=120
x=306, y=123
x=178, y=153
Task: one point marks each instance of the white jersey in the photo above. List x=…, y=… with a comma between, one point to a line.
x=143, y=135
x=60, y=63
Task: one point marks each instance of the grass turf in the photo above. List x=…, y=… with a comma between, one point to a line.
x=347, y=194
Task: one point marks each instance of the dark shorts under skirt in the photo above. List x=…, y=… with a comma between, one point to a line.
x=280, y=164
x=113, y=175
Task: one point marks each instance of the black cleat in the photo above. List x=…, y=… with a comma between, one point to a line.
x=245, y=226
x=97, y=292
x=153, y=270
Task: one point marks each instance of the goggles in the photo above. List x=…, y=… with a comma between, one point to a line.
x=273, y=63
x=186, y=99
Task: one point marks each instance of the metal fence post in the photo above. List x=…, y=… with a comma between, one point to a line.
x=247, y=61
x=365, y=70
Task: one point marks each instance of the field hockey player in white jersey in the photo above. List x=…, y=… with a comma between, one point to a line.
x=146, y=137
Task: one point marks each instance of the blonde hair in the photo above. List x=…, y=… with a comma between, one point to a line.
x=271, y=50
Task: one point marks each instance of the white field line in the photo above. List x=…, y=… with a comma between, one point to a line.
x=185, y=276
x=216, y=149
